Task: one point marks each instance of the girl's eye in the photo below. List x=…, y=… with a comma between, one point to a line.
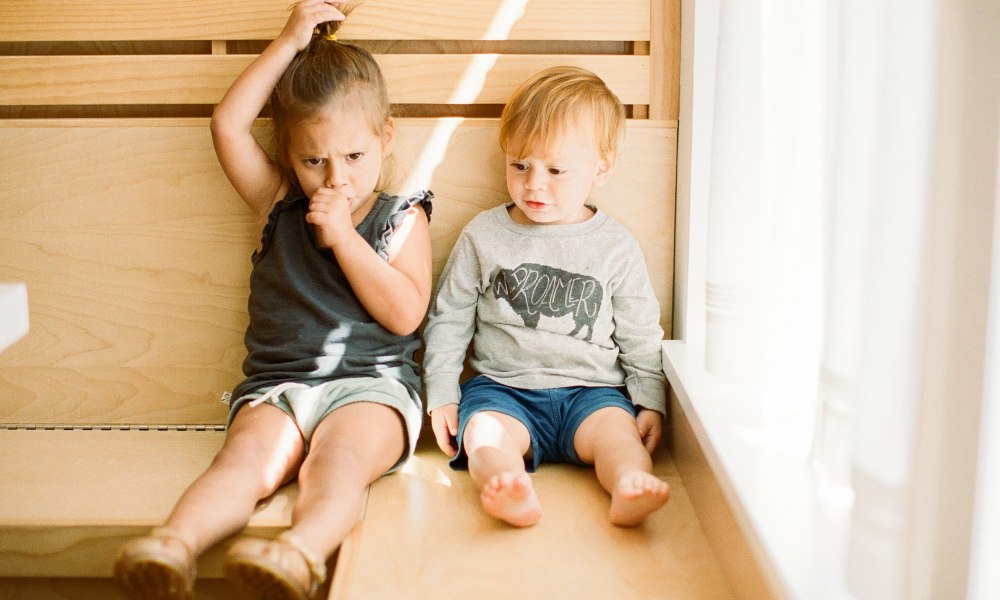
x=556, y=171
x=518, y=166
x=355, y=156
x=314, y=162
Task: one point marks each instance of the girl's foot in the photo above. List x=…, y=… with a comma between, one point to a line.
x=280, y=568
x=510, y=497
x=160, y=566
x=637, y=495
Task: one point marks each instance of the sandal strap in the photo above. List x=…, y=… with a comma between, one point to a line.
x=316, y=564
x=169, y=534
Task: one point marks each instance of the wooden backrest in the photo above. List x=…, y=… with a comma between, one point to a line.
x=134, y=246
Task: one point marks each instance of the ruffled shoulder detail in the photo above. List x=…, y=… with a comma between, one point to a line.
x=393, y=209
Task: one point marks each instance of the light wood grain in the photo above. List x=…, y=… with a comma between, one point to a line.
x=64, y=588
x=135, y=250
x=29, y=20
x=733, y=551
x=203, y=79
x=424, y=532
x=72, y=498
x=136, y=253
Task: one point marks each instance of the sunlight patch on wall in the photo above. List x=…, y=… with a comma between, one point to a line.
x=468, y=89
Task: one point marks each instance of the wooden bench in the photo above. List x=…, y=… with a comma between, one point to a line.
x=135, y=251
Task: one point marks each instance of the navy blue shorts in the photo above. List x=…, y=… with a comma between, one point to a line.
x=551, y=416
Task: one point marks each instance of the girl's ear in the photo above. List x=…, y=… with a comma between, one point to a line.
x=388, y=136
x=605, y=167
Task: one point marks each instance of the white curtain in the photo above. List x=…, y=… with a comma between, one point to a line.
x=849, y=238
x=763, y=273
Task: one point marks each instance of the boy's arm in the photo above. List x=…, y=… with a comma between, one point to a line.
x=638, y=335
x=450, y=325
x=250, y=170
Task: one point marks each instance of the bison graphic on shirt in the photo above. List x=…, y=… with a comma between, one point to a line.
x=534, y=290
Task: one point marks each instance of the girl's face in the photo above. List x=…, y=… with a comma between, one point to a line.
x=551, y=187
x=337, y=149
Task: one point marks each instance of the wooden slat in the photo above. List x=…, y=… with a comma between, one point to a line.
x=665, y=56
x=136, y=252
x=30, y=20
x=185, y=79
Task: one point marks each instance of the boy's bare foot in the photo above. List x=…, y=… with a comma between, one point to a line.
x=637, y=495
x=510, y=497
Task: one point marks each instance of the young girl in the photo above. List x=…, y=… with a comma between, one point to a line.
x=341, y=280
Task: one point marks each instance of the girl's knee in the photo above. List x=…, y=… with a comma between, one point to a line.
x=350, y=459
x=270, y=461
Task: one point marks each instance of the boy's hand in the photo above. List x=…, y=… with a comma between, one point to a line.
x=444, y=423
x=650, y=425
x=306, y=15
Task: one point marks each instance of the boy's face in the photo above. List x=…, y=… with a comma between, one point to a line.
x=551, y=188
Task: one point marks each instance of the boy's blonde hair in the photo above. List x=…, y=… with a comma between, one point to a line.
x=329, y=71
x=553, y=99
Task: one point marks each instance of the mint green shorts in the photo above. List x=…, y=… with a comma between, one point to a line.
x=308, y=405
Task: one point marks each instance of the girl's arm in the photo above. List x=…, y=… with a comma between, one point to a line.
x=394, y=292
x=254, y=176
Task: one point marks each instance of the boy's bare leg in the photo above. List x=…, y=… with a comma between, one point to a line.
x=496, y=444
x=262, y=451
x=350, y=448
x=609, y=439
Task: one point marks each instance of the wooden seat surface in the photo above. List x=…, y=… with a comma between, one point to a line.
x=70, y=498
x=424, y=526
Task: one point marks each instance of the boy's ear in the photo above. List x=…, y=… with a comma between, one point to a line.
x=605, y=167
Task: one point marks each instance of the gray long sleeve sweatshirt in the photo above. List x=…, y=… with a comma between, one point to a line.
x=545, y=306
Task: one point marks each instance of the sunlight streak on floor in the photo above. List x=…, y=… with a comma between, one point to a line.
x=418, y=467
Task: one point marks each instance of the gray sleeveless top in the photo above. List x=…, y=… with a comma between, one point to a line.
x=306, y=324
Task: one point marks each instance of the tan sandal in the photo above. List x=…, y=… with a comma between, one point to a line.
x=280, y=568
x=160, y=566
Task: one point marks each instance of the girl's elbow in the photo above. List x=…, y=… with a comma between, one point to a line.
x=405, y=324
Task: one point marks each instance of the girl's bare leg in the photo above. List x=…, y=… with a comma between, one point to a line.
x=496, y=444
x=350, y=448
x=609, y=439
x=262, y=451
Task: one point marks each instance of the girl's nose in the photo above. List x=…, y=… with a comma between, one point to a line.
x=334, y=177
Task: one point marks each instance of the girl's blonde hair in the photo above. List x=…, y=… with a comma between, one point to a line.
x=328, y=71
x=554, y=98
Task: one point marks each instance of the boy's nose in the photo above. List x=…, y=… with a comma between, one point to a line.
x=535, y=181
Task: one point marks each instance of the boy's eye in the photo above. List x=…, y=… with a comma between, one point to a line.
x=518, y=166
x=556, y=171
x=355, y=156
x=314, y=162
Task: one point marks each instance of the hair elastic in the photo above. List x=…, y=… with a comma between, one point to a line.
x=330, y=37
